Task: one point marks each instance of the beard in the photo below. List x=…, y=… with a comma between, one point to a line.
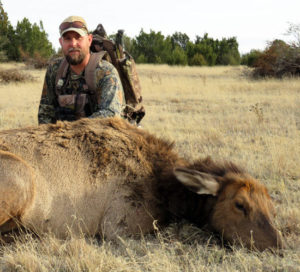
x=75, y=59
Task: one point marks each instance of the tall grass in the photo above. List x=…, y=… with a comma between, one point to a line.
x=216, y=111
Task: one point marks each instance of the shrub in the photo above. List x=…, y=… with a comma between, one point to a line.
x=141, y=59
x=278, y=60
x=177, y=57
x=37, y=62
x=198, y=60
x=229, y=59
x=14, y=75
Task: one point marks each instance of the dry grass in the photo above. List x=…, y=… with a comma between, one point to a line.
x=207, y=111
x=19, y=101
x=14, y=75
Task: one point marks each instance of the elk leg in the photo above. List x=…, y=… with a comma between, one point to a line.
x=16, y=189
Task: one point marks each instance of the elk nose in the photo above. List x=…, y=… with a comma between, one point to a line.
x=278, y=242
x=270, y=237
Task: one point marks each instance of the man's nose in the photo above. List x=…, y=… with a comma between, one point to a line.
x=73, y=42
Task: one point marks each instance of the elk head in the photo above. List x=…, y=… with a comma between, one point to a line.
x=243, y=210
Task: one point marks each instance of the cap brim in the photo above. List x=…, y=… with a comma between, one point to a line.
x=80, y=31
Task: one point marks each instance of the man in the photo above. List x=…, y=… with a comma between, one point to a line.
x=69, y=97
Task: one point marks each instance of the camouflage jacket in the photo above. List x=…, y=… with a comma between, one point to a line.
x=109, y=88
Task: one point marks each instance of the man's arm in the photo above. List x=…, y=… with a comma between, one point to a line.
x=112, y=100
x=46, y=112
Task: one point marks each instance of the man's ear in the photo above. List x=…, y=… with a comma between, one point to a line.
x=90, y=38
x=60, y=41
x=196, y=181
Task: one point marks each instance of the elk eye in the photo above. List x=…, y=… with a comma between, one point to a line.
x=240, y=206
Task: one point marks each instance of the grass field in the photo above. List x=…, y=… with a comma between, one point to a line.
x=215, y=111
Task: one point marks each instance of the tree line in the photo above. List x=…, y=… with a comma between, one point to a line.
x=178, y=49
x=29, y=42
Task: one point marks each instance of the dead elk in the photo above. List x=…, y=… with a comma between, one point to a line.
x=116, y=179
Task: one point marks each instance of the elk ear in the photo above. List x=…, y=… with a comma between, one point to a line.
x=197, y=182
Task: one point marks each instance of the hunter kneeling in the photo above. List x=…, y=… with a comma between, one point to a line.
x=85, y=84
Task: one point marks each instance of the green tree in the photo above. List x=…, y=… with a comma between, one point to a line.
x=204, y=48
x=177, y=49
x=4, y=23
x=33, y=40
x=208, y=51
x=177, y=57
x=179, y=39
x=4, y=26
x=207, y=47
x=251, y=58
x=153, y=46
x=127, y=42
x=12, y=48
x=228, y=53
x=25, y=41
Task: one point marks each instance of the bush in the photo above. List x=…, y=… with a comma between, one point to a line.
x=198, y=60
x=229, y=59
x=178, y=57
x=141, y=59
x=37, y=62
x=278, y=60
x=13, y=75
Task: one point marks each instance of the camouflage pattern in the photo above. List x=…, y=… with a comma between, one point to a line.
x=109, y=89
x=133, y=91
x=125, y=64
x=129, y=69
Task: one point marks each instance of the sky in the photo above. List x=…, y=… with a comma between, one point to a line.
x=254, y=23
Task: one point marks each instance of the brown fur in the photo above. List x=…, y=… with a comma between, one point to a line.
x=104, y=176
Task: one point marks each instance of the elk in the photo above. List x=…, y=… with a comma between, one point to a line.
x=107, y=177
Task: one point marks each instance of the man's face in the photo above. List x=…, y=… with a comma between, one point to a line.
x=75, y=47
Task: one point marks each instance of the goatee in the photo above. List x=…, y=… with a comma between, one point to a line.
x=74, y=60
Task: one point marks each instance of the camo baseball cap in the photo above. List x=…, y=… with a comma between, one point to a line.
x=73, y=23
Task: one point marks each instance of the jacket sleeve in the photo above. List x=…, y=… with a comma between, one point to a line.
x=46, y=113
x=112, y=101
